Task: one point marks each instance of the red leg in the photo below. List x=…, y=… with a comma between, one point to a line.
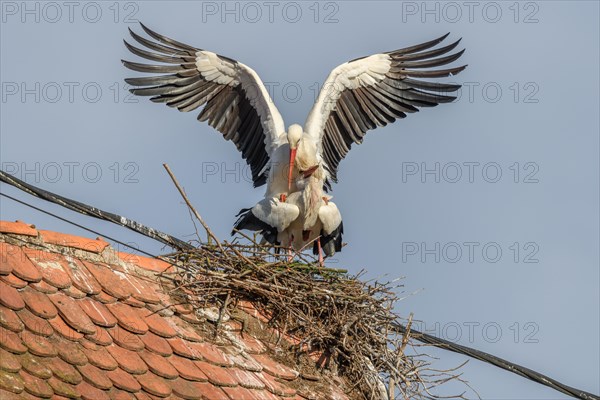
x=321, y=262
x=289, y=250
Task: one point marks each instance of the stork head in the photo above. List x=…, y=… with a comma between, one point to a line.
x=294, y=135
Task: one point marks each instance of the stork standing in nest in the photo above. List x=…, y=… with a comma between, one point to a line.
x=358, y=96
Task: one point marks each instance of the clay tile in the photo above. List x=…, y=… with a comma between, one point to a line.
x=209, y=391
x=116, y=394
x=64, y=330
x=39, y=303
x=211, y=353
x=89, y=392
x=110, y=282
x=185, y=332
x=11, y=342
x=22, y=267
x=9, y=362
x=81, y=278
x=10, y=320
x=150, y=264
x=104, y=298
x=276, y=369
x=187, y=369
x=51, y=267
x=4, y=395
x=128, y=318
x=185, y=308
x=101, y=337
x=73, y=315
x=156, y=344
x=123, y=380
x=97, y=312
x=73, y=292
x=191, y=318
x=240, y=393
x=128, y=360
x=64, y=371
x=44, y=287
x=36, y=386
x=18, y=228
x=252, y=345
x=69, y=351
x=157, y=324
x=11, y=257
x=63, y=389
x=38, y=345
x=182, y=348
x=94, y=376
x=35, y=324
x=126, y=339
x=13, y=281
x=11, y=382
x=245, y=362
x=10, y=297
x=186, y=390
x=154, y=385
x=246, y=379
x=131, y=301
x=216, y=375
x=143, y=396
x=100, y=358
x=63, y=239
x=159, y=365
x=35, y=365
x=275, y=387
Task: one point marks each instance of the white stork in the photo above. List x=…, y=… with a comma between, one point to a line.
x=358, y=96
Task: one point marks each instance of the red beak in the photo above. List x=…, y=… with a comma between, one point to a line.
x=292, y=159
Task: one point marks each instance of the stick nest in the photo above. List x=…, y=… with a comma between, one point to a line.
x=349, y=324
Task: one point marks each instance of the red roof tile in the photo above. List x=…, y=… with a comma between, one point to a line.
x=18, y=227
x=97, y=324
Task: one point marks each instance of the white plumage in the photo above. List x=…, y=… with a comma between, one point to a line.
x=298, y=164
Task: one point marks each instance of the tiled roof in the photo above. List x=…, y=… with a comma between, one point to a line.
x=80, y=320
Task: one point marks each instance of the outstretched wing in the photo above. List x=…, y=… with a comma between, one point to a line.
x=373, y=91
x=236, y=101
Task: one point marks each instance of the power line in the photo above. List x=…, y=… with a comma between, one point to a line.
x=78, y=225
x=95, y=212
x=498, y=362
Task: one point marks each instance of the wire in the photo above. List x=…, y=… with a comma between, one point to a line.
x=95, y=212
x=498, y=362
x=77, y=225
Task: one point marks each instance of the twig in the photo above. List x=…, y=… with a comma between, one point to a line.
x=209, y=232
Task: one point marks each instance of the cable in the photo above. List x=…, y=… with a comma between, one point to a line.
x=95, y=212
x=498, y=362
x=77, y=225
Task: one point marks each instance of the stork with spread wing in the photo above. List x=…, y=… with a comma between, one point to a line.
x=299, y=164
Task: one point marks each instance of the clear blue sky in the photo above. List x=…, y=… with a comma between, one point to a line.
x=505, y=263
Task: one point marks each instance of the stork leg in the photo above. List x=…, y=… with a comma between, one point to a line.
x=320, y=250
x=289, y=250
